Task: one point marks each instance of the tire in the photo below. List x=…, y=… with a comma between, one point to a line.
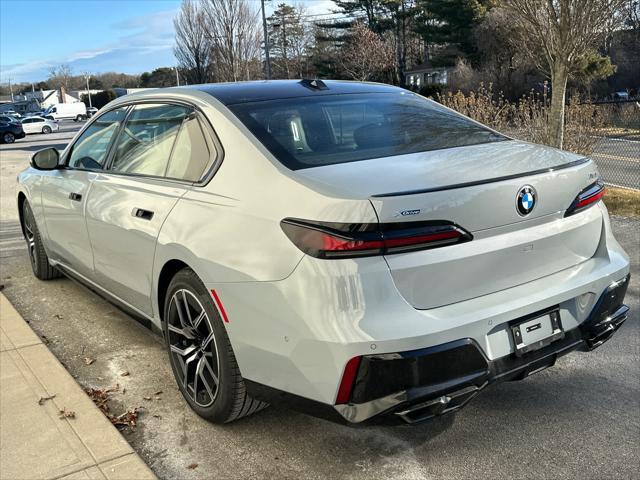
x=8, y=137
x=46, y=129
x=78, y=118
x=197, y=343
x=39, y=260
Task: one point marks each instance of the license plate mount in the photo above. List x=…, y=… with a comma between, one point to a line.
x=535, y=333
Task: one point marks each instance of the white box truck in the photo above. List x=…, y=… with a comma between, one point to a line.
x=58, y=111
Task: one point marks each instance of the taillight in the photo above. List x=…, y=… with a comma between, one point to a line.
x=349, y=240
x=586, y=198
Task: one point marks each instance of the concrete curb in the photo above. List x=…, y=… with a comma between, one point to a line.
x=35, y=443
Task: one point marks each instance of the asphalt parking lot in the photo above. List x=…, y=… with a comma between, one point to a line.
x=579, y=419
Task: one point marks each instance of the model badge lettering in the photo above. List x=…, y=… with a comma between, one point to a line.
x=406, y=213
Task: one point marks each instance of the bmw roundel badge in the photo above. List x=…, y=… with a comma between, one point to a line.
x=526, y=200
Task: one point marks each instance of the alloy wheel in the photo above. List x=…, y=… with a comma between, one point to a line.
x=193, y=348
x=8, y=138
x=29, y=230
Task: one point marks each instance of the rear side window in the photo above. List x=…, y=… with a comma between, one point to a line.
x=314, y=131
x=90, y=150
x=162, y=141
x=191, y=153
x=146, y=141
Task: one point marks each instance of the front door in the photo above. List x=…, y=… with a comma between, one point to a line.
x=65, y=192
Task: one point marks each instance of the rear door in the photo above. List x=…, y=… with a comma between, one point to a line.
x=160, y=153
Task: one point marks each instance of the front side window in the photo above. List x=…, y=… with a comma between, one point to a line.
x=315, y=131
x=91, y=148
x=145, y=144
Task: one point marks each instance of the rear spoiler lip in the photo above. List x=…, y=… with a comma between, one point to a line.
x=574, y=163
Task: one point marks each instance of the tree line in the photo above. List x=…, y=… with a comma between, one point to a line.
x=550, y=46
x=513, y=45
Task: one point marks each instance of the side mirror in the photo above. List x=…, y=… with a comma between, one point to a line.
x=46, y=159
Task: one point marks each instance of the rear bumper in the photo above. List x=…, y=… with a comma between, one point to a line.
x=420, y=384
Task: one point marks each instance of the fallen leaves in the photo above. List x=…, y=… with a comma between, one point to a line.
x=101, y=396
x=44, y=399
x=64, y=413
x=89, y=360
x=128, y=418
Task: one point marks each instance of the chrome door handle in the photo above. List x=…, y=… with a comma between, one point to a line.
x=75, y=196
x=142, y=213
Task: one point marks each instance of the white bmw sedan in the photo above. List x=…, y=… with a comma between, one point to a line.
x=38, y=125
x=348, y=249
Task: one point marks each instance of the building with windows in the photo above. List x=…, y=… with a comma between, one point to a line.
x=426, y=74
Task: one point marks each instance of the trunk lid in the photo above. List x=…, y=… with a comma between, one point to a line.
x=477, y=188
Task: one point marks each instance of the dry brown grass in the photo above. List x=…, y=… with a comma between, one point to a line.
x=527, y=118
x=622, y=201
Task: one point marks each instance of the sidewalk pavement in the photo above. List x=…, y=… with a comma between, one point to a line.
x=35, y=443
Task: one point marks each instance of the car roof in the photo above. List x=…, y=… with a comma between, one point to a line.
x=258, y=91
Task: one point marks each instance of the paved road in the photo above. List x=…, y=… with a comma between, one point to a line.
x=619, y=161
x=579, y=419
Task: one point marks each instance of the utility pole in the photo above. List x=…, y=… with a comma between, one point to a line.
x=11, y=89
x=87, y=76
x=284, y=42
x=177, y=77
x=267, y=60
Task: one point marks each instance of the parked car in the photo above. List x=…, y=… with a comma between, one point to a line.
x=10, y=132
x=11, y=113
x=349, y=249
x=91, y=111
x=39, y=125
x=8, y=119
x=72, y=111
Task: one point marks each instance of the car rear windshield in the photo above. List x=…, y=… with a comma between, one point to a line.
x=315, y=131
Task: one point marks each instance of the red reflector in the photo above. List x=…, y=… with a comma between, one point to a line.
x=348, y=379
x=593, y=198
x=223, y=313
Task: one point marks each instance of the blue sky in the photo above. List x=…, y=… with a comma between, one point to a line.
x=130, y=36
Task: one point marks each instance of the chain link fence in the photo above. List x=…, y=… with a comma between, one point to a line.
x=617, y=149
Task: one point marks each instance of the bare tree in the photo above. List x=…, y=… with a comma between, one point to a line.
x=234, y=33
x=561, y=33
x=61, y=76
x=366, y=55
x=193, y=49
